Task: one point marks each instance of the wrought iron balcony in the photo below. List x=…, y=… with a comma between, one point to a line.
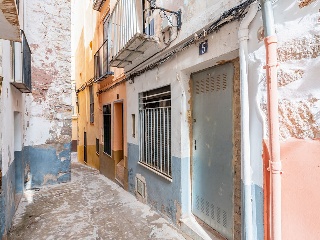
x=132, y=42
x=22, y=65
x=101, y=63
x=97, y=4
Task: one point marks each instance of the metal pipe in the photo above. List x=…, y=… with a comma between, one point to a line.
x=243, y=36
x=161, y=138
x=267, y=17
x=272, y=95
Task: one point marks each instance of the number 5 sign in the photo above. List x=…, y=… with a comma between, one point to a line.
x=203, y=47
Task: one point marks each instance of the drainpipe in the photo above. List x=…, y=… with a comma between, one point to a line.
x=272, y=95
x=243, y=36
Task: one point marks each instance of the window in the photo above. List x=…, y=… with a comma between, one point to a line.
x=155, y=130
x=91, y=104
x=97, y=146
x=106, y=27
x=133, y=125
x=18, y=5
x=12, y=60
x=107, y=129
x=148, y=19
x=101, y=58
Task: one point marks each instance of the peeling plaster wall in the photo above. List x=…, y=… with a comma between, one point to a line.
x=12, y=106
x=297, y=28
x=48, y=122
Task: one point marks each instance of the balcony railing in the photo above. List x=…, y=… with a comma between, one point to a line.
x=130, y=45
x=22, y=65
x=97, y=4
x=101, y=62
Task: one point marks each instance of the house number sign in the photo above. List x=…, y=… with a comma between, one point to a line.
x=203, y=47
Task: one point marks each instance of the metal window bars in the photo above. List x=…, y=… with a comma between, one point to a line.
x=97, y=4
x=155, y=131
x=101, y=62
x=125, y=22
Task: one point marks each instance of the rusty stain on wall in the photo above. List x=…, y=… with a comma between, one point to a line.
x=41, y=83
x=297, y=120
x=304, y=3
x=301, y=48
x=287, y=76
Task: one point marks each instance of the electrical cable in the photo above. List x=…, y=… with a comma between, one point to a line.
x=234, y=14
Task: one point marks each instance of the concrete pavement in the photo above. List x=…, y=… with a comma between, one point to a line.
x=89, y=207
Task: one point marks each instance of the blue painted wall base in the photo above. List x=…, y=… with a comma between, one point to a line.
x=257, y=214
x=47, y=164
x=41, y=165
x=163, y=195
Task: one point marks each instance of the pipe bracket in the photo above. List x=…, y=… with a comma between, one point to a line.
x=275, y=167
x=271, y=65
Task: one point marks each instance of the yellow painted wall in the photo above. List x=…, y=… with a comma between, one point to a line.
x=90, y=29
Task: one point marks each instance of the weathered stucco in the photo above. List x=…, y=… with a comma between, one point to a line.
x=49, y=107
x=297, y=29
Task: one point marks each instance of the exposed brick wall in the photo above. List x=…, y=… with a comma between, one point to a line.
x=237, y=150
x=48, y=30
x=47, y=141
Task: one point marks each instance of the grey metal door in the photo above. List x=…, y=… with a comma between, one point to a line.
x=212, y=175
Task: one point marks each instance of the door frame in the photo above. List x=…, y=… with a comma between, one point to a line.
x=237, y=230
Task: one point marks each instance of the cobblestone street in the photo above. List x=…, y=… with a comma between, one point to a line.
x=88, y=207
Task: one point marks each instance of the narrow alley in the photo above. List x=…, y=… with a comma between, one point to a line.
x=159, y=119
x=89, y=207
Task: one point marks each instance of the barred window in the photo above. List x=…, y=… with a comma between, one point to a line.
x=107, y=129
x=91, y=104
x=97, y=146
x=155, y=130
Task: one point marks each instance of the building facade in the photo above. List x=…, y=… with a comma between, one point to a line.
x=35, y=99
x=101, y=97
x=173, y=105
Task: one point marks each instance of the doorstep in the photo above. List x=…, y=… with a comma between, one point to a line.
x=191, y=227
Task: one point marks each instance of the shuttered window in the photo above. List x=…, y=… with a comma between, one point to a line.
x=91, y=104
x=107, y=129
x=155, y=130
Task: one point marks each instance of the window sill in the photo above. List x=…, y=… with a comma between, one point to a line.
x=156, y=172
x=107, y=154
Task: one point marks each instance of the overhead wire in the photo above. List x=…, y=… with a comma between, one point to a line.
x=234, y=14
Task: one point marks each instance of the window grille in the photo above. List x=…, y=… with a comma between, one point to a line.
x=91, y=104
x=155, y=130
x=107, y=129
x=148, y=19
x=97, y=146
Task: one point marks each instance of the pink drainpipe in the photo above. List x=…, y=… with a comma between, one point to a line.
x=274, y=143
